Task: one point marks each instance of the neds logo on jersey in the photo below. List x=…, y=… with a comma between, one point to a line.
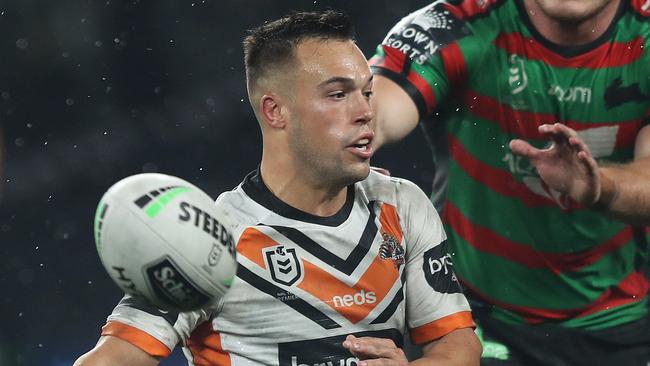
x=439, y=270
x=173, y=287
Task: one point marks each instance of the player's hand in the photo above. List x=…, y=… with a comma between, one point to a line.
x=373, y=351
x=567, y=166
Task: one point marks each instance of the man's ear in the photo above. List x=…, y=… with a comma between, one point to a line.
x=273, y=110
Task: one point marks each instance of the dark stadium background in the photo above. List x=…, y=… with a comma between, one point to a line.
x=94, y=91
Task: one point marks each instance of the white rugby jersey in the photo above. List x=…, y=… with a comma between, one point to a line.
x=379, y=267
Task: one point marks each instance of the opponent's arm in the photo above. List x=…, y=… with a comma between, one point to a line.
x=460, y=347
x=112, y=351
x=623, y=190
x=396, y=115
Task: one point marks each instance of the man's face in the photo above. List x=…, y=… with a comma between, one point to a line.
x=572, y=11
x=329, y=131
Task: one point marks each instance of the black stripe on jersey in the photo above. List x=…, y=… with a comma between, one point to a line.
x=390, y=309
x=347, y=265
x=132, y=302
x=255, y=188
x=392, y=306
x=288, y=298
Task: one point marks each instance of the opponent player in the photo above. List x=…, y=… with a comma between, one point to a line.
x=541, y=236
x=334, y=264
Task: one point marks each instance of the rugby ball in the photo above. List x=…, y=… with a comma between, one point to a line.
x=164, y=240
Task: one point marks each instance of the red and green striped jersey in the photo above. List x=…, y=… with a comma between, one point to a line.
x=482, y=65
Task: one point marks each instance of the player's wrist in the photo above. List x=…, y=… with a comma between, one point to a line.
x=609, y=191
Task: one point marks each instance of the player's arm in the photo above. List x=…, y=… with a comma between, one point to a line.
x=460, y=347
x=625, y=192
x=567, y=166
x=396, y=115
x=112, y=351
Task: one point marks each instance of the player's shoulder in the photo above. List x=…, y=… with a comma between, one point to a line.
x=439, y=13
x=640, y=8
x=392, y=190
x=239, y=207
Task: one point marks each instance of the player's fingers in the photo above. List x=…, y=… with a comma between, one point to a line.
x=555, y=133
x=523, y=148
x=580, y=145
x=589, y=162
x=371, y=347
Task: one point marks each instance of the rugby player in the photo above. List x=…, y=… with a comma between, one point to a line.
x=335, y=262
x=546, y=239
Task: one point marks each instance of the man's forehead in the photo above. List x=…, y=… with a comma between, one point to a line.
x=325, y=58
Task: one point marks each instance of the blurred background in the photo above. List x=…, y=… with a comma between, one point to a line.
x=94, y=91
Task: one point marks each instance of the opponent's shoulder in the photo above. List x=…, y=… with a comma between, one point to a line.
x=424, y=32
x=641, y=8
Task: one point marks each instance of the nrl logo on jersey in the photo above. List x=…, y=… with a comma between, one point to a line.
x=283, y=264
x=391, y=249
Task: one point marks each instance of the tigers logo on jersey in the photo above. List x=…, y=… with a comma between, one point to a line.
x=391, y=249
x=283, y=264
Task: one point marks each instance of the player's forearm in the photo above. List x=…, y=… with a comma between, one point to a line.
x=625, y=191
x=395, y=112
x=458, y=348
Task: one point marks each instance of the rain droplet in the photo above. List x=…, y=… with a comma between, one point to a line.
x=116, y=40
x=209, y=101
x=171, y=41
x=20, y=142
x=98, y=43
x=201, y=169
x=157, y=90
x=29, y=125
x=90, y=282
x=5, y=95
x=22, y=43
x=105, y=133
x=20, y=315
x=65, y=54
x=69, y=101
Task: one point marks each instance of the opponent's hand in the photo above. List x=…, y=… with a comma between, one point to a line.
x=567, y=166
x=373, y=351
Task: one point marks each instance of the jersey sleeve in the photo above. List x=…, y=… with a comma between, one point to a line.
x=154, y=331
x=435, y=304
x=422, y=55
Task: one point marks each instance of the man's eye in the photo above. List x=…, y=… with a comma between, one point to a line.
x=368, y=94
x=338, y=95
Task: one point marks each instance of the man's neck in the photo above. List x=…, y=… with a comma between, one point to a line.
x=571, y=33
x=294, y=188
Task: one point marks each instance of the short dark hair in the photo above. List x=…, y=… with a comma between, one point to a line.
x=274, y=43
